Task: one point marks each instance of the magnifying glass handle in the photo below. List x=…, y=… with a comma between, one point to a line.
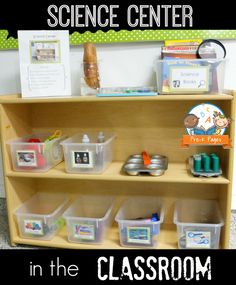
x=214, y=83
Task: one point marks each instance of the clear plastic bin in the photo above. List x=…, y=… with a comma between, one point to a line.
x=34, y=156
x=135, y=226
x=198, y=223
x=88, y=219
x=40, y=217
x=90, y=157
x=180, y=76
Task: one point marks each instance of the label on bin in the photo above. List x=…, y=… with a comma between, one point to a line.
x=26, y=158
x=82, y=159
x=198, y=239
x=34, y=227
x=189, y=78
x=84, y=231
x=139, y=235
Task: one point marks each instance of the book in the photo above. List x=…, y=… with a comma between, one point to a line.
x=187, y=52
x=194, y=42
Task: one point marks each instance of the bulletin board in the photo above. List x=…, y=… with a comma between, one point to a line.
x=8, y=42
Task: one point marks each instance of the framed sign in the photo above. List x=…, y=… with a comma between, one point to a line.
x=197, y=78
x=44, y=63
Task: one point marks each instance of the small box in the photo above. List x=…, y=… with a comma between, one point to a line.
x=88, y=157
x=35, y=156
x=40, y=217
x=88, y=219
x=135, y=225
x=198, y=223
x=189, y=76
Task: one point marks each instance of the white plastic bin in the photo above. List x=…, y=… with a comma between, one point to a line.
x=35, y=156
x=180, y=76
x=89, y=157
x=88, y=219
x=40, y=217
x=198, y=223
x=135, y=226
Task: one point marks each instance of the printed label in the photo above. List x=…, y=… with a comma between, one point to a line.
x=198, y=239
x=189, y=78
x=82, y=159
x=83, y=231
x=139, y=235
x=26, y=158
x=34, y=227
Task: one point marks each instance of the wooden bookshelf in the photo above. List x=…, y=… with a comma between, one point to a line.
x=150, y=123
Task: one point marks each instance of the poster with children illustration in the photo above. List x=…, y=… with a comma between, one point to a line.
x=206, y=119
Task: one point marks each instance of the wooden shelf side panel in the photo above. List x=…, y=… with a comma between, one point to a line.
x=15, y=122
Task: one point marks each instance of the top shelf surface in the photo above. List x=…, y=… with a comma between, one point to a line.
x=16, y=98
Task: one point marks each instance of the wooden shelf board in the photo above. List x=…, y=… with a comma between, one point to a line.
x=16, y=98
x=176, y=173
x=167, y=240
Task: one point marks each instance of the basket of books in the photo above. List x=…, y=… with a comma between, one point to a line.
x=181, y=71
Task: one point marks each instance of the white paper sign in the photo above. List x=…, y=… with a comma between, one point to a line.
x=189, y=78
x=44, y=63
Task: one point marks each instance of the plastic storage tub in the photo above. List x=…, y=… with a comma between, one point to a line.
x=40, y=217
x=88, y=219
x=135, y=227
x=198, y=223
x=35, y=156
x=179, y=76
x=88, y=157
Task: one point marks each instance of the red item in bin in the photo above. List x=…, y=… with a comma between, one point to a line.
x=34, y=140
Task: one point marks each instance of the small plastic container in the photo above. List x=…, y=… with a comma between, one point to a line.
x=40, y=217
x=88, y=219
x=89, y=71
x=135, y=226
x=189, y=76
x=198, y=223
x=88, y=152
x=35, y=156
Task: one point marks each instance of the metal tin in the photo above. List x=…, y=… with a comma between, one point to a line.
x=135, y=160
x=135, y=166
x=202, y=172
x=137, y=156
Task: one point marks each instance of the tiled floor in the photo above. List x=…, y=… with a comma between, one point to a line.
x=4, y=235
x=233, y=230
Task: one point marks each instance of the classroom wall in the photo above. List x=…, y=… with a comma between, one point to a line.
x=131, y=64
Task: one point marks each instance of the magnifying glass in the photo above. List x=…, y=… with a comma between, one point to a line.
x=211, y=49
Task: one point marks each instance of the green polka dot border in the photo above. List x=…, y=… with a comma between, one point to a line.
x=149, y=35
x=129, y=36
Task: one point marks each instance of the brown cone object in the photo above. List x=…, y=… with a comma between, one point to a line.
x=91, y=74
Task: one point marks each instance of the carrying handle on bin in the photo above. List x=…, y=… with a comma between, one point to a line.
x=146, y=158
x=55, y=135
